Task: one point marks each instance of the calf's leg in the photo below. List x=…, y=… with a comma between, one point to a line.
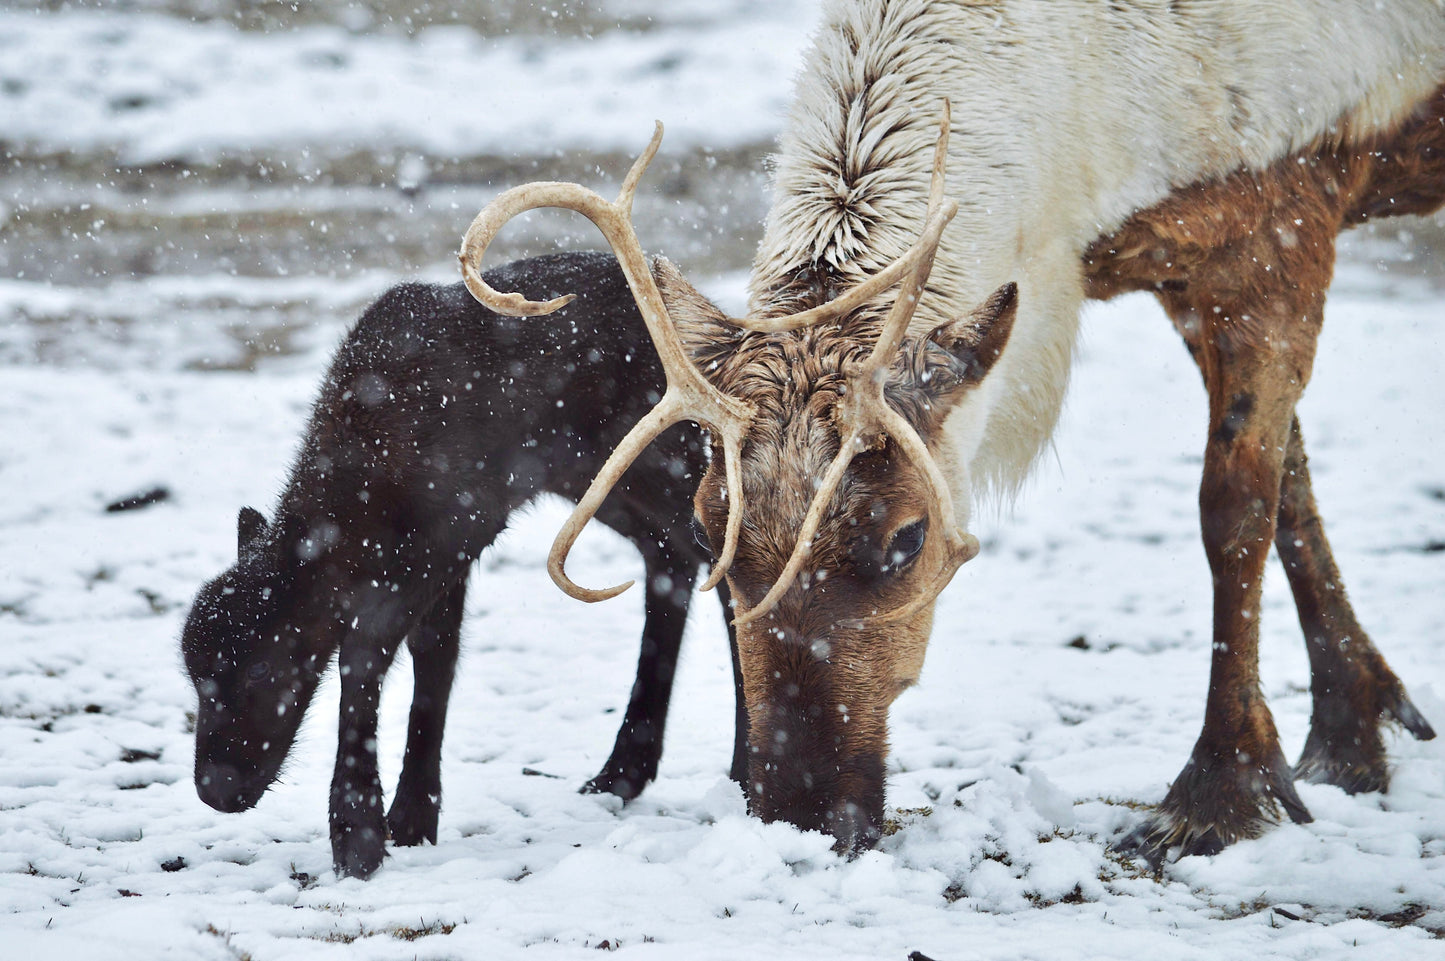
x=739, y=769
x=358, y=830
x=433, y=644
x=638, y=748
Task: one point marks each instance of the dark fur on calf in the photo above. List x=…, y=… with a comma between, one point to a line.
x=436, y=420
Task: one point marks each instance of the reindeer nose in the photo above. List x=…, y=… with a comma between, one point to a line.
x=219, y=785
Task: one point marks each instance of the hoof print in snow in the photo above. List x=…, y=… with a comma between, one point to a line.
x=131, y=755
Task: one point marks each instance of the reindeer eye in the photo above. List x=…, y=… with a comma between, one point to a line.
x=258, y=671
x=905, y=545
x=699, y=534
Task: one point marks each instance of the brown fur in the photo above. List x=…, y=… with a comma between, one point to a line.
x=1242, y=266
x=817, y=693
x=818, y=685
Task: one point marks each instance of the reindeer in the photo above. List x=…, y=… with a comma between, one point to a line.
x=436, y=420
x=1206, y=150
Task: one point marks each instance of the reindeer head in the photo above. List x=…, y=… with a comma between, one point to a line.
x=826, y=511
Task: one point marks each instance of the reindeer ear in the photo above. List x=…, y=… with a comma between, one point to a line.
x=703, y=328
x=975, y=343
x=250, y=524
x=958, y=355
x=936, y=371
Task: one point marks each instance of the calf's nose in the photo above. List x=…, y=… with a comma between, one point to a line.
x=219, y=785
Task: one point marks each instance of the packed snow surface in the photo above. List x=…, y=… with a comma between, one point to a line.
x=1065, y=681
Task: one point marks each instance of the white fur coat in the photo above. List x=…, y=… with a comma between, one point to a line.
x=1068, y=116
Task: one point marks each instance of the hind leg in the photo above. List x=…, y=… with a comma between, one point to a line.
x=1355, y=692
x=434, y=644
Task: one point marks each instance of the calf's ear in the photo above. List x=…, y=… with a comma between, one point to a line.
x=250, y=524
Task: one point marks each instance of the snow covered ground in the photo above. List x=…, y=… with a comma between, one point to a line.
x=1064, y=686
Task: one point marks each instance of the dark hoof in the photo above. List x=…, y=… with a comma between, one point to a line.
x=1154, y=840
x=854, y=829
x=1345, y=747
x=1401, y=711
x=356, y=852
x=1211, y=805
x=1352, y=769
x=411, y=822
x=624, y=781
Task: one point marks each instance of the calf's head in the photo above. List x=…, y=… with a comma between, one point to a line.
x=255, y=645
x=823, y=501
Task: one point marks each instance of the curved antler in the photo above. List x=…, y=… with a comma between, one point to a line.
x=864, y=413
x=863, y=416
x=689, y=396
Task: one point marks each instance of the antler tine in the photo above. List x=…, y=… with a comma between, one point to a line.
x=732, y=461
x=484, y=229
x=613, y=219
x=959, y=545
x=804, y=545
x=689, y=396
x=940, y=212
x=835, y=309
x=664, y=415
x=634, y=175
x=863, y=411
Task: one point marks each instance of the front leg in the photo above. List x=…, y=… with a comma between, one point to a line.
x=434, y=644
x=638, y=748
x=358, y=831
x=1255, y=364
x=738, y=771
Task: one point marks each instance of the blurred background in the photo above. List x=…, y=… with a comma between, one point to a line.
x=205, y=183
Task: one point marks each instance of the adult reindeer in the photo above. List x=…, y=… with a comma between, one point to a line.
x=1208, y=150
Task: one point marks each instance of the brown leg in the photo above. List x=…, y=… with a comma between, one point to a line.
x=1255, y=353
x=1355, y=692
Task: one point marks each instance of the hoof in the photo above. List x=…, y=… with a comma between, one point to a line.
x=1154, y=840
x=411, y=822
x=1345, y=746
x=1212, y=804
x=622, y=778
x=1401, y=711
x=356, y=852
x=608, y=782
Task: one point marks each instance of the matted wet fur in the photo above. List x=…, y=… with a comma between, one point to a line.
x=1221, y=145
x=436, y=420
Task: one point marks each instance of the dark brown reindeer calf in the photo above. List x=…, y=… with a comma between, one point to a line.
x=436, y=420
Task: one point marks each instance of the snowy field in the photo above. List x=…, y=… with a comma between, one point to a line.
x=1065, y=682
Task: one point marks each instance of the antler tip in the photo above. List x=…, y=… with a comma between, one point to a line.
x=591, y=595
x=714, y=578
